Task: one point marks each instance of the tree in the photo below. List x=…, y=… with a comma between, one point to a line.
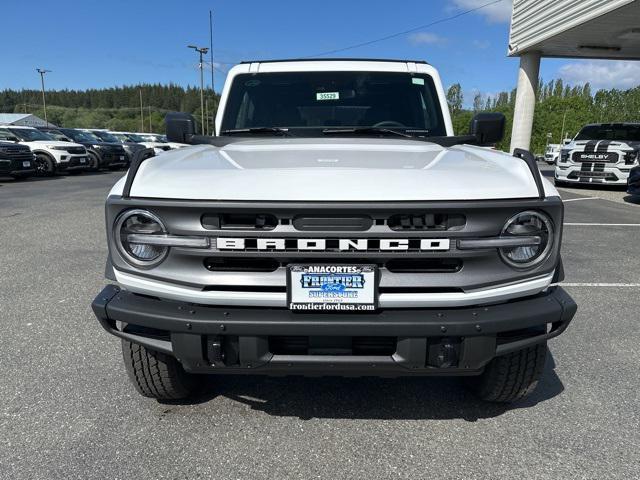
x=477, y=102
x=455, y=98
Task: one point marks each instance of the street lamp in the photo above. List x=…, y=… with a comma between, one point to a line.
x=201, y=51
x=42, y=71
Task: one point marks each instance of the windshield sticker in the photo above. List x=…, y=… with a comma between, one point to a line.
x=327, y=96
x=417, y=81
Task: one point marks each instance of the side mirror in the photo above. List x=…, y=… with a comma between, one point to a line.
x=180, y=127
x=488, y=128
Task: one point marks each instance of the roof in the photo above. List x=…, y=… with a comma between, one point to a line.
x=576, y=28
x=18, y=126
x=334, y=60
x=12, y=117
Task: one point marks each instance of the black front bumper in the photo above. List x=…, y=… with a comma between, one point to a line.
x=15, y=167
x=211, y=339
x=115, y=159
x=73, y=165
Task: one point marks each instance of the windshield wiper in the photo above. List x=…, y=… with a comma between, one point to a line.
x=252, y=130
x=365, y=130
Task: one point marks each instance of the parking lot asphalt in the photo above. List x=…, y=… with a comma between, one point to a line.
x=67, y=410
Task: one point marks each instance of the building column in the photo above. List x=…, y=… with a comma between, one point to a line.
x=525, y=100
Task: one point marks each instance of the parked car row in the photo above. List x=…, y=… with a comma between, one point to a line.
x=26, y=151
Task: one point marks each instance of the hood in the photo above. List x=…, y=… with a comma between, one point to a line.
x=55, y=143
x=600, y=145
x=330, y=169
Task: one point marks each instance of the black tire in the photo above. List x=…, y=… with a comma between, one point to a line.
x=45, y=165
x=94, y=162
x=511, y=377
x=157, y=375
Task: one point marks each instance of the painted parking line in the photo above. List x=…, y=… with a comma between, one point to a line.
x=601, y=224
x=615, y=285
x=580, y=198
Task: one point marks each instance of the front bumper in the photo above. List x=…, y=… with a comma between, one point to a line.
x=577, y=173
x=17, y=167
x=117, y=159
x=74, y=163
x=445, y=341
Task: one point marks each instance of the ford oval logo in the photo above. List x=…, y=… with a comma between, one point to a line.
x=333, y=287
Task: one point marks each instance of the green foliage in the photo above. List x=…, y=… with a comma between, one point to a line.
x=557, y=104
x=116, y=108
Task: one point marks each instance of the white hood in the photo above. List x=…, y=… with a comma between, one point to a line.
x=51, y=143
x=333, y=169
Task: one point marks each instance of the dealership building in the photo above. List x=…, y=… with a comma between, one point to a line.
x=23, y=120
x=594, y=29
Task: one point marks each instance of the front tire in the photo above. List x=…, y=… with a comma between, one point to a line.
x=511, y=377
x=94, y=162
x=45, y=165
x=157, y=375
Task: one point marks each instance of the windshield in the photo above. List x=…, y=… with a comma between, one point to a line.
x=6, y=135
x=629, y=133
x=135, y=138
x=106, y=137
x=324, y=100
x=29, y=135
x=82, y=137
x=58, y=136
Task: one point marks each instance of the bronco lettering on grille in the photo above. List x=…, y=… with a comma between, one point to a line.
x=336, y=245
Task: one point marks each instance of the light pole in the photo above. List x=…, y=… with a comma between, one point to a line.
x=201, y=51
x=42, y=71
x=564, y=119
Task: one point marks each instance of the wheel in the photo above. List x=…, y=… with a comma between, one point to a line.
x=157, y=375
x=45, y=166
x=510, y=377
x=94, y=162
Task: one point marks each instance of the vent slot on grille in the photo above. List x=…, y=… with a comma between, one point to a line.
x=427, y=221
x=241, y=264
x=239, y=221
x=429, y=265
x=346, y=223
x=316, y=345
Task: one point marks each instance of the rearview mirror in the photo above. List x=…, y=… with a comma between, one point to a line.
x=180, y=127
x=488, y=128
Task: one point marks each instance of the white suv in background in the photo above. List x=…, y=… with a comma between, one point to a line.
x=51, y=155
x=158, y=147
x=154, y=137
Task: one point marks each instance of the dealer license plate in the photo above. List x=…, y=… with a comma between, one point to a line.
x=26, y=164
x=332, y=287
x=122, y=157
x=83, y=160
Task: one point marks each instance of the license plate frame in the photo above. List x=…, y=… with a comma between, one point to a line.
x=26, y=164
x=351, y=287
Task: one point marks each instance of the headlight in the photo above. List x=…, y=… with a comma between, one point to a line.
x=139, y=222
x=529, y=224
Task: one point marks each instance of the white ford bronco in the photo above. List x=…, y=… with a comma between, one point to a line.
x=335, y=226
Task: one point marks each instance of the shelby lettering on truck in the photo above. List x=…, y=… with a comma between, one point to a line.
x=335, y=226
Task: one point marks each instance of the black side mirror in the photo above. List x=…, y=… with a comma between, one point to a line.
x=181, y=127
x=488, y=128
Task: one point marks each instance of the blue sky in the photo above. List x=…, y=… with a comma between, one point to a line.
x=92, y=43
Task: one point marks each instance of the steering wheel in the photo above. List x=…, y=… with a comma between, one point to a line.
x=388, y=123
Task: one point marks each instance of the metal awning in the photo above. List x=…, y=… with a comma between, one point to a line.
x=608, y=29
